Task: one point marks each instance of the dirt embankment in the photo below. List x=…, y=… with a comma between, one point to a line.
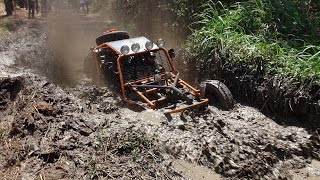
x=83, y=131
x=296, y=100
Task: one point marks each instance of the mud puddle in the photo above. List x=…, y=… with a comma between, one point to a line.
x=195, y=171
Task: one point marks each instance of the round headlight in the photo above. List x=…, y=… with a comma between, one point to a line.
x=149, y=45
x=125, y=49
x=135, y=47
x=160, y=43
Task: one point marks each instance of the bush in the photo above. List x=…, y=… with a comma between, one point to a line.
x=280, y=33
x=266, y=51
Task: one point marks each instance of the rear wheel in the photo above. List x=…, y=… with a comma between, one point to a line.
x=112, y=36
x=215, y=91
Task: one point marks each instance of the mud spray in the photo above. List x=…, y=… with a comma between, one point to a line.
x=69, y=37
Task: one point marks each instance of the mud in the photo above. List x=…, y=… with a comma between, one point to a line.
x=9, y=90
x=49, y=131
x=80, y=131
x=296, y=100
x=195, y=171
x=53, y=136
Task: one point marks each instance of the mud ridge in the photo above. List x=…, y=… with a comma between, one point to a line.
x=296, y=100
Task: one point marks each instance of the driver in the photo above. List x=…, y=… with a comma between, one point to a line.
x=151, y=62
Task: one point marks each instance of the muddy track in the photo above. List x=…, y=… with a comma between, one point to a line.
x=82, y=131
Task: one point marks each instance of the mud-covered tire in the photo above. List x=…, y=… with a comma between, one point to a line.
x=112, y=36
x=215, y=90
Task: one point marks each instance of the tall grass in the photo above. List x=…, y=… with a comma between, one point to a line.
x=2, y=27
x=281, y=33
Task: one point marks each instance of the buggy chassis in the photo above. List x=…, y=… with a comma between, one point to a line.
x=126, y=68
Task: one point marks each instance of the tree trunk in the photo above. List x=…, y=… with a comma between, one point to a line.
x=9, y=6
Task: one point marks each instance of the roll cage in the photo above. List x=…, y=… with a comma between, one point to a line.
x=161, y=88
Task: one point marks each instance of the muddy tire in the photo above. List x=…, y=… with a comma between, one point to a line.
x=215, y=91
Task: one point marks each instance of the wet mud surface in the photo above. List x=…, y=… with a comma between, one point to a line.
x=52, y=131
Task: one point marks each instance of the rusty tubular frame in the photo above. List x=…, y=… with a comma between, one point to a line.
x=202, y=102
x=197, y=91
x=151, y=103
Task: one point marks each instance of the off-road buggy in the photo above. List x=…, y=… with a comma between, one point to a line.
x=143, y=71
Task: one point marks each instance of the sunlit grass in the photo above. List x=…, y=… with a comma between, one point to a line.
x=246, y=31
x=2, y=27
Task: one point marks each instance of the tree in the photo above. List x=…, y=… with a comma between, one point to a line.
x=9, y=7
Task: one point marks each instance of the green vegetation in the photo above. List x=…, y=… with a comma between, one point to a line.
x=2, y=27
x=283, y=34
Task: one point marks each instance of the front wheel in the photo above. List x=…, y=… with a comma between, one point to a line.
x=217, y=93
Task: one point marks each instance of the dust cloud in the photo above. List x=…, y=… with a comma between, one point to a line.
x=70, y=34
x=69, y=37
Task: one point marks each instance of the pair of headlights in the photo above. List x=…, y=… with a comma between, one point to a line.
x=135, y=47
